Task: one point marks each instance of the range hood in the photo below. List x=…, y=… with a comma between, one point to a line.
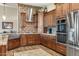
x=51, y=7
x=30, y=14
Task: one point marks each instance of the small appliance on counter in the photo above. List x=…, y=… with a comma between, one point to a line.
x=51, y=30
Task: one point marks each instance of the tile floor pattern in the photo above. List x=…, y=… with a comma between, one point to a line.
x=33, y=47
x=34, y=52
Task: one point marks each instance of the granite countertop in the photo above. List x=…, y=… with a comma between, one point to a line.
x=17, y=33
x=3, y=39
x=28, y=33
x=48, y=34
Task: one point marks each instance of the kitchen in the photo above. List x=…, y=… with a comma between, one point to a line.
x=38, y=24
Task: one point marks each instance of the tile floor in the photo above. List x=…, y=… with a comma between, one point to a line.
x=27, y=48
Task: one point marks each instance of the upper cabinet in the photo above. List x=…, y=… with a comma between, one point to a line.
x=59, y=10
x=49, y=19
x=62, y=9
x=74, y=6
x=65, y=8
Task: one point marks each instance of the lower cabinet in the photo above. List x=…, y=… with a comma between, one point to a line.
x=23, y=40
x=50, y=42
x=2, y=50
x=13, y=43
x=30, y=39
x=61, y=48
x=44, y=40
x=33, y=39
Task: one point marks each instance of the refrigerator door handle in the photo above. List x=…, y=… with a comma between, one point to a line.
x=68, y=22
x=77, y=27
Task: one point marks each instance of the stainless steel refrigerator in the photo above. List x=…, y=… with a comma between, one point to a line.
x=73, y=33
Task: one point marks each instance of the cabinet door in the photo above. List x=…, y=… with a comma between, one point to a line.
x=61, y=48
x=49, y=19
x=54, y=18
x=59, y=10
x=51, y=42
x=65, y=8
x=74, y=6
x=44, y=40
x=37, y=39
x=2, y=50
x=45, y=21
x=23, y=19
x=13, y=43
x=23, y=40
x=31, y=39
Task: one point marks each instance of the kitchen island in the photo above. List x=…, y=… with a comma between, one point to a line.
x=3, y=44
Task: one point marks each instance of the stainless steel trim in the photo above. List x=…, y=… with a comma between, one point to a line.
x=77, y=27
x=68, y=22
x=71, y=46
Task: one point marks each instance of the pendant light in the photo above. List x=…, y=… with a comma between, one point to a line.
x=45, y=10
x=4, y=15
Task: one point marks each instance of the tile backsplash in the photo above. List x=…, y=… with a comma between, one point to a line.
x=29, y=28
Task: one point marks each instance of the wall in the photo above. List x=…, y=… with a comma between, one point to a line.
x=11, y=16
x=29, y=27
x=40, y=22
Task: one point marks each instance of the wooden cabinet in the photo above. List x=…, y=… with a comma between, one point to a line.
x=2, y=50
x=13, y=43
x=33, y=39
x=66, y=8
x=44, y=40
x=30, y=39
x=23, y=19
x=74, y=6
x=59, y=10
x=62, y=9
x=52, y=42
x=23, y=40
x=48, y=41
x=45, y=21
x=61, y=48
x=49, y=19
x=37, y=38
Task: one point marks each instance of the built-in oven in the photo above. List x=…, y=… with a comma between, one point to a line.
x=61, y=26
x=61, y=38
x=61, y=30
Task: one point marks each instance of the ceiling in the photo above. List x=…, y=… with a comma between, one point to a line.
x=38, y=4
x=13, y=5
x=33, y=4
